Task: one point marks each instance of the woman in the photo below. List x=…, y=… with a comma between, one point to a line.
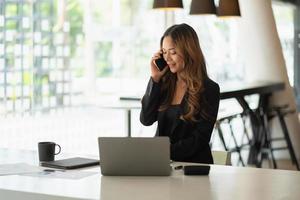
x=181, y=97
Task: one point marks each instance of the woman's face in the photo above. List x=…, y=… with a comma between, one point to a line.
x=172, y=55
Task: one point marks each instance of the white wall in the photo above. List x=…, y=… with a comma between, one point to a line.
x=263, y=57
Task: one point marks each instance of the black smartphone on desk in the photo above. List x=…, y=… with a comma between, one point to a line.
x=161, y=63
x=196, y=169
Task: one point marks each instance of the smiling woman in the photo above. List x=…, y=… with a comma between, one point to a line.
x=182, y=98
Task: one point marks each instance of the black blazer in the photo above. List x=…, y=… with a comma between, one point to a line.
x=189, y=140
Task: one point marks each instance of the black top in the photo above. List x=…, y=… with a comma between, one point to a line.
x=172, y=114
x=189, y=140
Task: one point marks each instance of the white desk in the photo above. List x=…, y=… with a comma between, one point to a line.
x=224, y=182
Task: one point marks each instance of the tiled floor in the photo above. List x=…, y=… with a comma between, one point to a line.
x=285, y=164
x=282, y=163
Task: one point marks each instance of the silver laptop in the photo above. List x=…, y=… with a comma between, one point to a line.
x=123, y=156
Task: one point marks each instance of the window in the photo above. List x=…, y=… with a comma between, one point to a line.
x=34, y=67
x=284, y=18
x=52, y=52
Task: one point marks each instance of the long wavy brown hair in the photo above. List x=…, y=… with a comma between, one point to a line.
x=187, y=44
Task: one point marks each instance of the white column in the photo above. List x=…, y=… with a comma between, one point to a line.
x=263, y=57
x=90, y=72
x=116, y=23
x=169, y=18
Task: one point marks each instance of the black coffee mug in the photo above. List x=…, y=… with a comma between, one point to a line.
x=47, y=151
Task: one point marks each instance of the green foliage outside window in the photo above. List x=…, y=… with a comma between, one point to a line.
x=103, y=59
x=75, y=18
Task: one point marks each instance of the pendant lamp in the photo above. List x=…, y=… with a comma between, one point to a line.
x=228, y=8
x=200, y=7
x=167, y=4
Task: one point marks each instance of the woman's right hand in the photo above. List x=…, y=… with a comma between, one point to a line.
x=156, y=74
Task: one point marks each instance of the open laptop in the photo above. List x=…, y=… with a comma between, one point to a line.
x=124, y=156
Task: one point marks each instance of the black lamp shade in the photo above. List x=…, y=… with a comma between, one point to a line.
x=199, y=7
x=167, y=4
x=229, y=8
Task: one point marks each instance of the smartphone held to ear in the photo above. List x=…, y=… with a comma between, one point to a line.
x=161, y=63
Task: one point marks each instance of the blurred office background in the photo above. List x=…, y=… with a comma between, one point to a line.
x=60, y=60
